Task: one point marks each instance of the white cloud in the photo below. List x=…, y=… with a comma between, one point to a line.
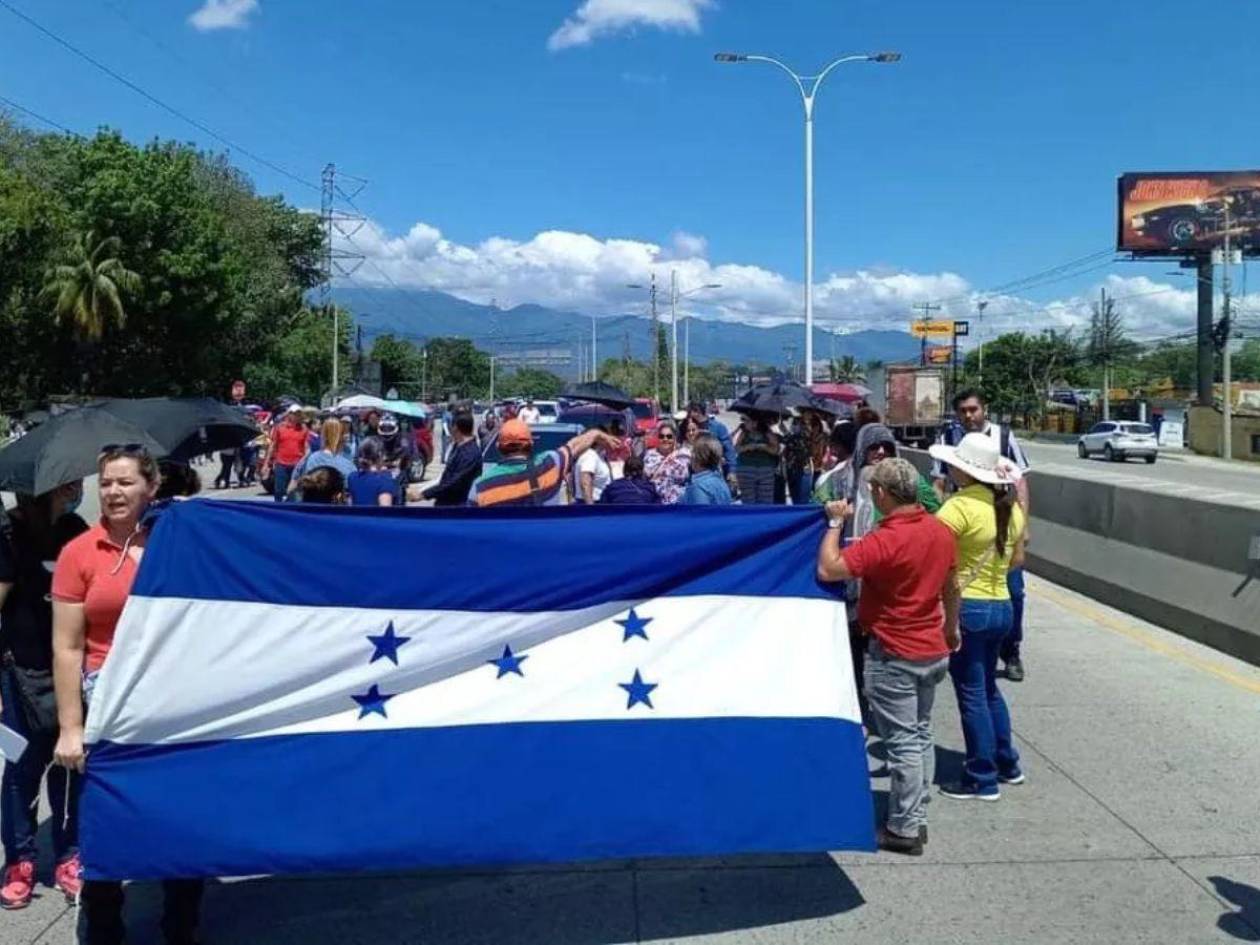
x=596, y=18
x=584, y=273
x=223, y=14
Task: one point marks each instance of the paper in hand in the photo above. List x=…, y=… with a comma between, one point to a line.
x=12, y=745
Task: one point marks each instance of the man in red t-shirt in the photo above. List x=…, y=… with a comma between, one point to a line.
x=288, y=447
x=909, y=609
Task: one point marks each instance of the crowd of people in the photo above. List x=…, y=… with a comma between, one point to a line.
x=931, y=570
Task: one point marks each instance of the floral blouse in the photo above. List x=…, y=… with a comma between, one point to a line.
x=669, y=474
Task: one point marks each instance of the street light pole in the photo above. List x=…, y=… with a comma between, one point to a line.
x=673, y=350
x=336, y=346
x=807, y=99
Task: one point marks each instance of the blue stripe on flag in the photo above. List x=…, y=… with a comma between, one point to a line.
x=486, y=794
x=478, y=559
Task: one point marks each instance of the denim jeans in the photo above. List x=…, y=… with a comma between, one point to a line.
x=986, y=722
x=19, y=788
x=101, y=915
x=1014, y=584
x=900, y=693
x=800, y=485
x=280, y=487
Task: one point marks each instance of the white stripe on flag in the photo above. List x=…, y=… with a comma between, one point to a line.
x=254, y=669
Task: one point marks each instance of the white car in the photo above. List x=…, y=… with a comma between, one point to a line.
x=1117, y=440
x=548, y=410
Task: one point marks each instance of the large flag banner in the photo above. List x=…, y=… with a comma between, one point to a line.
x=309, y=688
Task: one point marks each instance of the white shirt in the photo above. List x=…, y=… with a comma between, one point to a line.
x=592, y=462
x=529, y=415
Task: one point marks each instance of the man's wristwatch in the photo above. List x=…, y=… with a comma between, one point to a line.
x=835, y=523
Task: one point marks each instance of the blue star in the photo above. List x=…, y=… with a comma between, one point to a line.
x=508, y=663
x=639, y=691
x=634, y=625
x=373, y=702
x=387, y=645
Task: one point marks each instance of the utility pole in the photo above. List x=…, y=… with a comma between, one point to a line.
x=656, y=346
x=1104, y=324
x=492, y=378
x=980, y=307
x=687, y=364
x=594, y=359
x=1227, y=429
x=790, y=351
x=337, y=262
x=673, y=326
x=928, y=308
x=424, y=375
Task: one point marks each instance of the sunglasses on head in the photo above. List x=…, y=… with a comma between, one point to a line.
x=127, y=449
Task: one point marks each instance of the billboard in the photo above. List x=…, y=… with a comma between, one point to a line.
x=937, y=329
x=1183, y=213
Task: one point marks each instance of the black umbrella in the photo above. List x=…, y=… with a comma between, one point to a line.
x=65, y=449
x=599, y=392
x=186, y=426
x=835, y=408
x=773, y=398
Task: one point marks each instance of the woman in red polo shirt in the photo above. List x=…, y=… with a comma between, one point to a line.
x=90, y=586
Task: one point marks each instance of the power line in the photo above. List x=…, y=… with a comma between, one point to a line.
x=38, y=117
x=200, y=126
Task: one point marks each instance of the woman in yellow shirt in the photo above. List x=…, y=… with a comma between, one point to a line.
x=988, y=527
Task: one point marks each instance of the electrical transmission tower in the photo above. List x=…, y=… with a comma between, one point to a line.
x=338, y=261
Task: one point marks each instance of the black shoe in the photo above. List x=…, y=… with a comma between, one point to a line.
x=1015, y=670
x=970, y=792
x=910, y=846
x=923, y=835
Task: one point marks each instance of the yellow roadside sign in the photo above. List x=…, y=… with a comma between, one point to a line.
x=940, y=355
x=938, y=329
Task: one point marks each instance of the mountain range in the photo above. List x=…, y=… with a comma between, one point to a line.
x=537, y=334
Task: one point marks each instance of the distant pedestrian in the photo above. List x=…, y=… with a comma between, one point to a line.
x=988, y=528
x=287, y=447
x=909, y=610
x=698, y=414
x=708, y=485
x=488, y=427
x=372, y=484
x=833, y=484
x=757, y=448
x=668, y=464
x=971, y=416
x=331, y=453
x=463, y=466
x=529, y=413
x=633, y=488
x=523, y=478
x=593, y=472
x=179, y=480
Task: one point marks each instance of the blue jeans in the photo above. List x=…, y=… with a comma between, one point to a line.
x=800, y=485
x=1014, y=584
x=283, y=476
x=19, y=789
x=986, y=722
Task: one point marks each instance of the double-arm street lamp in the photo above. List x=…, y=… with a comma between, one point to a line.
x=808, y=86
x=674, y=296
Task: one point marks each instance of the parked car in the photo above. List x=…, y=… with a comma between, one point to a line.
x=1117, y=440
x=647, y=415
x=548, y=410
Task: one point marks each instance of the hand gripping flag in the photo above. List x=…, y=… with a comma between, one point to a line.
x=296, y=689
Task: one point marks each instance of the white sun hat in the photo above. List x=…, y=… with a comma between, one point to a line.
x=980, y=458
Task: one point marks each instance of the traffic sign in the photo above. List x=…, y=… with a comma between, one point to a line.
x=938, y=329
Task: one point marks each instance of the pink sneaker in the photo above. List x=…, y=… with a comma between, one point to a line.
x=67, y=877
x=19, y=885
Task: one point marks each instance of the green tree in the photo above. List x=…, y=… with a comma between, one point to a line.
x=1106, y=344
x=530, y=382
x=457, y=368
x=402, y=363
x=1019, y=369
x=89, y=292
x=847, y=370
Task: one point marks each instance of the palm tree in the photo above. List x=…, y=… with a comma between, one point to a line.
x=847, y=370
x=90, y=291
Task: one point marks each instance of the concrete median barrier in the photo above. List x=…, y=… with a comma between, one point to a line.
x=1180, y=563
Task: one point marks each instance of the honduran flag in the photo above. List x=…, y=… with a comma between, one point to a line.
x=300, y=688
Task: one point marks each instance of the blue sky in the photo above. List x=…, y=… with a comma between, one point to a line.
x=513, y=157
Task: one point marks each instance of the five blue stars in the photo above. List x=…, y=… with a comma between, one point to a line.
x=387, y=645
x=373, y=702
x=508, y=663
x=639, y=690
x=634, y=625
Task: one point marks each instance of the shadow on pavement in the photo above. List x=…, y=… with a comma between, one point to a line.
x=1244, y=924
x=602, y=904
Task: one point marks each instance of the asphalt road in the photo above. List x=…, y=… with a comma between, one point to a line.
x=1135, y=826
x=1176, y=472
